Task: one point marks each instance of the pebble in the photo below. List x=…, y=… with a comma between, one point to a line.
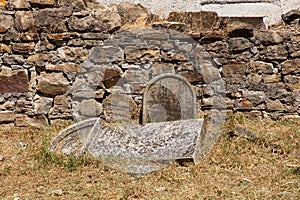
x=21, y=145
x=58, y=192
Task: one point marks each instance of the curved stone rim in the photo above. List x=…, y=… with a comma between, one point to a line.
x=71, y=130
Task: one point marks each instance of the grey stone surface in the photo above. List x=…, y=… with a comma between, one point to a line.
x=168, y=97
x=90, y=108
x=71, y=140
x=42, y=105
x=120, y=108
x=134, y=148
x=106, y=54
x=139, y=146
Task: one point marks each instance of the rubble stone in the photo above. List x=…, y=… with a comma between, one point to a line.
x=90, y=108
x=291, y=16
x=7, y=21
x=52, y=84
x=14, y=83
x=24, y=20
x=7, y=116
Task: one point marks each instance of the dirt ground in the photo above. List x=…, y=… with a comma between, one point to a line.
x=266, y=167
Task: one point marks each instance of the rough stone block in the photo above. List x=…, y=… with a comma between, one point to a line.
x=61, y=108
x=94, y=36
x=294, y=49
x=136, y=76
x=197, y=21
x=43, y=3
x=90, y=108
x=11, y=35
x=25, y=121
x=4, y=48
x=268, y=37
x=53, y=19
x=23, y=47
x=7, y=116
x=260, y=67
x=274, y=78
x=177, y=26
x=192, y=77
x=240, y=29
x=134, y=54
x=169, y=56
x=292, y=81
x=18, y=4
x=2, y=3
x=42, y=105
x=218, y=46
x=291, y=67
x=245, y=104
x=85, y=24
x=239, y=44
x=38, y=57
x=277, y=52
x=13, y=60
x=291, y=16
x=24, y=20
x=72, y=54
x=234, y=69
x=211, y=37
x=65, y=67
x=161, y=68
x=132, y=15
x=7, y=21
x=14, y=83
x=111, y=75
x=120, y=108
x=52, y=84
x=76, y=5
x=275, y=106
x=106, y=54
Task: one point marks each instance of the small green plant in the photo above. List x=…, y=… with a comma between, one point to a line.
x=70, y=162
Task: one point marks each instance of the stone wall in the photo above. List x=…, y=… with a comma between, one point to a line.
x=61, y=59
x=271, y=10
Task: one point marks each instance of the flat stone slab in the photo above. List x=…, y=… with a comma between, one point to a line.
x=145, y=148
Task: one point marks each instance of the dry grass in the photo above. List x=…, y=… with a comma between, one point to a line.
x=238, y=168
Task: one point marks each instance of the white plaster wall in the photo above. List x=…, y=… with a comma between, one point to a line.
x=271, y=9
